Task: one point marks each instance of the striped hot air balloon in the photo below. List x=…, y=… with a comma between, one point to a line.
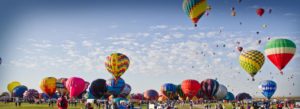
x=252, y=61
x=209, y=87
x=280, y=52
x=195, y=9
x=117, y=64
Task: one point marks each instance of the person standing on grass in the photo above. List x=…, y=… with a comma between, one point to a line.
x=62, y=103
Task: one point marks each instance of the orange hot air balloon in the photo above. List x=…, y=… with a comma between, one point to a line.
x=48, y=86
x=190, y=87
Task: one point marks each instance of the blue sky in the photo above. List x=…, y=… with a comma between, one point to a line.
x=65, y=39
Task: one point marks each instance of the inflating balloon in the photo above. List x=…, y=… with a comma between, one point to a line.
x=48, y=86
x=252, y=61
x=229, y=96
x=117, y=64
x=221, y=93
x=75, y=86
x=31, y=94
x=125, y=91
x=268, y=88
x=115, y=87
x=180, y=92
x=60, y=86
x=209, y=87
x=151, y=95
x=168, y=90
x=12, y=85
x=280, y=52
x=195, y=9
x=190, y=87
x=243, y=96
x=19, y=91
x=98, y=88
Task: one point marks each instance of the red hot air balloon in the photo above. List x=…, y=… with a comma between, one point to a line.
x=75, y=86
x=260, y=11
x=190, y=87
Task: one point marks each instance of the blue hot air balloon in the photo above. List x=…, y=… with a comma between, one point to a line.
x=114, y=86
x=19, y=91
x=268, y=88
x=229, y=96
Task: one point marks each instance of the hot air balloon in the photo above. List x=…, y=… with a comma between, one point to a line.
x=280, y=52
x=151, y=95
x=117, y=64
x=268, y=88
x=137, y=96
x=264, y=26
x=60, y=86
x=180, y=92
x=190, y=87
x=31, y=94
x=86, y=85
x=195, y=9
x=168, y=90
x=19, y=91
x=115, y=87
x=270, y=11
x=251, y=61
x=0, y=60
x=162, y=98
x=229, y=96
x=260, y=11
x=12, y=85
x=258, y=42
x=209, y=87
x=48, y=86
x=240, y=49
x=75, y=86
x=221, y=93
x=98, y=88
x=233, y=13
x=243, y=96
x=125, y=91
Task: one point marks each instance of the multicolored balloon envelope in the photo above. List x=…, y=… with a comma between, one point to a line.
x=243, y=96
x=48, y=86
x=114, y=87
x=151, y=94
x=19, y=91
x=75, y=86
x=221, y=93
x=190, y=87
x=180, y=93
x=280, y=52
x=168, y=90
x=98, y=88
x=268, y=88
x=125, y=91
x=229, y=96
x=12, y=85
x=195, y=9
x=31, y=94
x=137, y=96
x=210, y=87
x=117, y=64
x=60, y=86
x=252, y=61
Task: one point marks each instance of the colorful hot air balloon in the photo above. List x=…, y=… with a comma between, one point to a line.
x=252, y=61
x=180, y=92
x=125, y=91
x=243, y=96
x=268, y=88
x=195, y=9
x=98, y=88
x=151, y=94
x=31, y=94
x=200, y=94
x=60, y=86
x=115, y=87
x=221, y=93
x=209, y=87
x=229, y=96
x=19, y=91
x=117, y=64
x=168, y=90
x=190, y=87
x=137, y=96
x=280, y=52
x=48, y=86
x=260, y=11
x=75, y=86
x=12, y=85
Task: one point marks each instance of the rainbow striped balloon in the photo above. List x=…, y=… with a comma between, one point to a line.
x=252, y=61
x=195, y=9
x=117, y=64
x=280, y=52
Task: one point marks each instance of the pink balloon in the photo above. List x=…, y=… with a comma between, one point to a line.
x=75, y=86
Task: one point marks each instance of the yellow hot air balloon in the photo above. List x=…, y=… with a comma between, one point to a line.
x=48, y=86
x=252, y=61
x=117, y=64
x=12, y=85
